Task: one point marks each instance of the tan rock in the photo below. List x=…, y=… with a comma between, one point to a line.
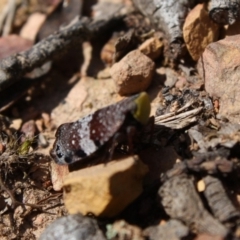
x=152, y=48
x=16, y=123
x=219, y=68
x=32, y=26
x=106, y=189
x=133, y=73
x=198, y=31
x=58, y=173
x=107, y=51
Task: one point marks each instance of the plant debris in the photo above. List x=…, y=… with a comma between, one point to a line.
x=168, y=16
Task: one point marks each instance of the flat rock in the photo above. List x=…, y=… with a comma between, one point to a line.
x=219, y=68
x=173, y=229
x=133, y=73
x=199, y=30
x=105, y=189
x=152, y=48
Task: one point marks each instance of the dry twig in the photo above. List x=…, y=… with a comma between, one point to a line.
x=179, y=119
x=14, y=67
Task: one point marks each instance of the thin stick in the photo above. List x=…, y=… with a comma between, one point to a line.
x=14, y=67
x=10, y=16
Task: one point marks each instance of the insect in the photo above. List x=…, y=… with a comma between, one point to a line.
x=78, y=140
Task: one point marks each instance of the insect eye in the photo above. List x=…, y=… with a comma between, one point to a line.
x=68, y=159
x=59, y=154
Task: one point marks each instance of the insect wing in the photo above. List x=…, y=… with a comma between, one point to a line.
x=80, y=139
x=107, y=121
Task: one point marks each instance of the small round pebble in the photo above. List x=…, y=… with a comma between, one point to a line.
x=133, y=73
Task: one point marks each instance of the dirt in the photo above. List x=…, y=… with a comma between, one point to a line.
x=191, y=142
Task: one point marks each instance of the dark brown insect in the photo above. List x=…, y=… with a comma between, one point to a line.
x=77, y=140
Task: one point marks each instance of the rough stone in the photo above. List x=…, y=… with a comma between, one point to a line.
x=74, y=227
x=181, y=201
x=152, y=48
x=198, y=31
x=219, y=68
x=105, y=189
x=133, y=73
x=173, y=229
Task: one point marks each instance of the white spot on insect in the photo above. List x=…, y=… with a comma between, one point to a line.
x=73, y=142
x=86, y=143
x=93, y=131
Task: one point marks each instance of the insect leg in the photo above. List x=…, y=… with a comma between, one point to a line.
x=131, y=132
x=117, y=138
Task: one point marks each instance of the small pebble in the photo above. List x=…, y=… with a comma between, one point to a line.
x=42, y=140
x=133, y=73
x=152, y=48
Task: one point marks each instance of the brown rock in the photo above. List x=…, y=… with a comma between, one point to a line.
x=28, y=130
x=107, y=51
x=104, y=74
x=133, y=73
x=198, y=31
x=219, y=68
x=58, y=173
x=152, y=48
x=106, y=189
